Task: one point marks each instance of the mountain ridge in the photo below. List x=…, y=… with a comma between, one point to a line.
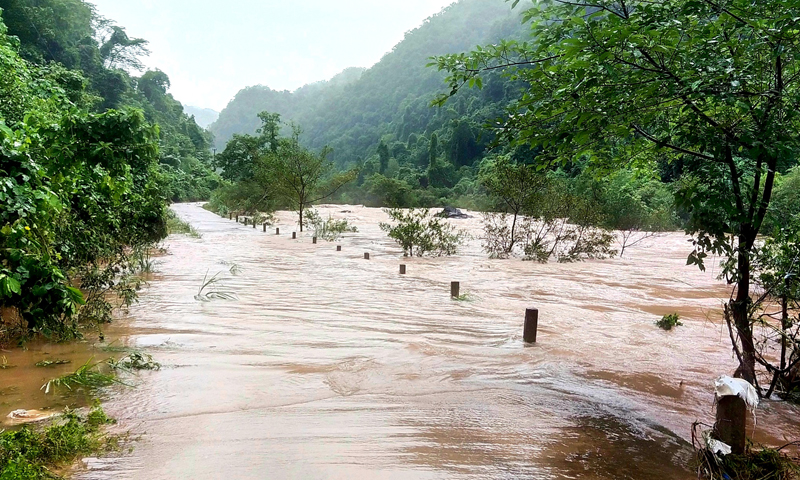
x=392, y=98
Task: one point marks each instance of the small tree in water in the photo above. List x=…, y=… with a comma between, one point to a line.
x=329, y=230
x=300, y=177
x=420, y=234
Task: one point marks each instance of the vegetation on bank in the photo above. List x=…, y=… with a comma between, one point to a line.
x=39, y=452
x=89, y=158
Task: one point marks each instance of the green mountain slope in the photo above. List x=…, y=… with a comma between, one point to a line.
x=390, y=101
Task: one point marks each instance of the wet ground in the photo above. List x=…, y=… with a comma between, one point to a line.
x=329, y=366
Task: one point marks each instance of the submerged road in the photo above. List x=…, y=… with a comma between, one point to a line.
x=329, y=366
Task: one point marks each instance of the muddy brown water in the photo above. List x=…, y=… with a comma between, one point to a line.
x=330, y=366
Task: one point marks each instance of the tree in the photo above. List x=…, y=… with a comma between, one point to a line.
x=463, y=147
x=515, y=188
x=438, y=171
x=433, y=152
x=154, y=85
x=420, y=234
x=243, y=152
x=776, y=267
x=383, y=156
x=120, y=51
x=712, y=83
x=301, y=177
x=637, y=206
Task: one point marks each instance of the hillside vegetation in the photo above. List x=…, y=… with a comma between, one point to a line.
x=89, y=158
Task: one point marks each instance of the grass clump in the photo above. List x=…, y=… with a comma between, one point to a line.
x=667, y=322
x=176, y=226
x=100, y=374
x=32, y=453
x=210, y=290
x=135, y=361
x=87, y=376
x=756, y=464
x=4, y=365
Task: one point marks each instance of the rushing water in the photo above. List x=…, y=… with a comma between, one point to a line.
x=329, y=366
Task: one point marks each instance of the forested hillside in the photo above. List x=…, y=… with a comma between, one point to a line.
x=391, y=101
x=70, y=34
x=90, y=155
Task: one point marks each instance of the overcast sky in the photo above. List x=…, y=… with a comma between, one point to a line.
x=212, y=48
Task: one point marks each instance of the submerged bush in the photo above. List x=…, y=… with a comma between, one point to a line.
x=176, y=226
x=497, y=236
x=330, y=229
x=667, y=322
x=755, y=464
x=420, y=234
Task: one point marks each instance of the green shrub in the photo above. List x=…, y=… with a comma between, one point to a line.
x=176, y=226
x=420, y=234
x=29, y=453
x=669, y=321
x=330, y=229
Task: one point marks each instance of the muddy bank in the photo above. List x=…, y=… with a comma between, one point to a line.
x=331, y=366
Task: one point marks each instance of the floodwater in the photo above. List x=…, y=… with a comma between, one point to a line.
x=330, y=366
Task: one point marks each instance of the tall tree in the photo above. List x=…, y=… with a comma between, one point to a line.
x=301, y=177
x=383, y=156
x=515, y=188
x=120, y=51
x=243, y=152
x=713, y=83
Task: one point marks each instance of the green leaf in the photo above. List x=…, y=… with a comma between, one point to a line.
x=76, y=295
x=9, y=285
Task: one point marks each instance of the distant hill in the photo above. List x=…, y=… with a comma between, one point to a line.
x=240, y=116
x=203, y=116
x=358, y=108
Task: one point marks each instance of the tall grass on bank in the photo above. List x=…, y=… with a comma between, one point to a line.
x=36, y=452
x=176, y=226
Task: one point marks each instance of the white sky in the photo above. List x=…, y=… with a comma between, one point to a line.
x=211, y=49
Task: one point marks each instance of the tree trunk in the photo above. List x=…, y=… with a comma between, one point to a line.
x=739, y=308
x=625, y=237
x=513, y=230
x=301, y=218
x=785, y=324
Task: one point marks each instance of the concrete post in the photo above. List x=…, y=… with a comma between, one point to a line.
x=402, y=269
x=455, y=289
x=366, y=256
x=531, y=325
x=731, y=425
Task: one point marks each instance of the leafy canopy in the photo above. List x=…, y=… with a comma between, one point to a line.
x=714, y=85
